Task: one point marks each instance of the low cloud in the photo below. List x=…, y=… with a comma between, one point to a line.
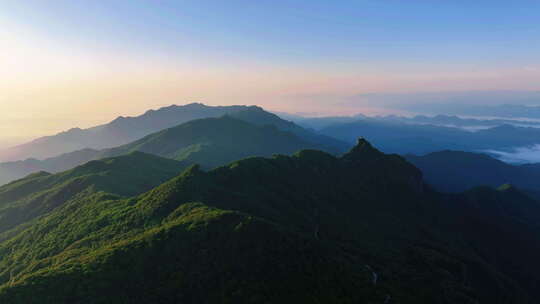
x=519, y=155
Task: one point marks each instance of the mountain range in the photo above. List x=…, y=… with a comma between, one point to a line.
x=306, y=228
x=119, y=131
x=123, y=130
x=471, y=124
x=526, y=108
x=459, y=122
x=394, y=136
x=456, y=171
x=250, y=131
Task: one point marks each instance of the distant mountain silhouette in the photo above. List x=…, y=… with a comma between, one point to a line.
x=10, y=171
x=404, y=137
x=123, y=130
x=210, y=142
x=502, y=110
x=456, y=171
x=317, y=123
x=471, y=124
x=458, y=122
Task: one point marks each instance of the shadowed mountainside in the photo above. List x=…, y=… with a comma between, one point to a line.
x=306, y=228
x=456, y=171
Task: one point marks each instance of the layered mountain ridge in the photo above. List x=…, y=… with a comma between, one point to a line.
x=123, y=130
x=404, y=136
x=457, y=171
x=236, y=135
x=311, y=227
x=119, y=131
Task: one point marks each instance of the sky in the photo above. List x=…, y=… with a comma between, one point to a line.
x=76, y=63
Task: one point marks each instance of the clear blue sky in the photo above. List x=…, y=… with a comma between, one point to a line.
x=108, y=58
x=498, y=32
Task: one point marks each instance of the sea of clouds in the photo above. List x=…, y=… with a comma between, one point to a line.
x=520, y=155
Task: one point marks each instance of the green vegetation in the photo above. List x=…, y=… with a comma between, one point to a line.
x=307, y=228
x=41, y=192
x=210, y=142
x=120, y=131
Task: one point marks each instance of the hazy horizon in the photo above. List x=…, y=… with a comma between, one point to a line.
x=71, y=64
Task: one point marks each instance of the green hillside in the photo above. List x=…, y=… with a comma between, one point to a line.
x=258, y=116
x=212, y=142
x=42, y=192
x=307, y=228
x=121, y=130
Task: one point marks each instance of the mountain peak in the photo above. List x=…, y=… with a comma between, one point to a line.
x=118, y=119
x=363, y=149
x=194, y=105
x=363, y=142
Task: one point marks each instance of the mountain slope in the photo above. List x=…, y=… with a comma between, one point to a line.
x=42, y=192
x=231, y=149
x=456, y=171
x=123, y=130
x=119, y=131
x=503, y=227
x=210, y=142
x=307, y=228
x=10, y=171
x=213, y=142
x=258, y=116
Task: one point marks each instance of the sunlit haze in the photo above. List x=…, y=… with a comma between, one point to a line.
x=82, y=63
